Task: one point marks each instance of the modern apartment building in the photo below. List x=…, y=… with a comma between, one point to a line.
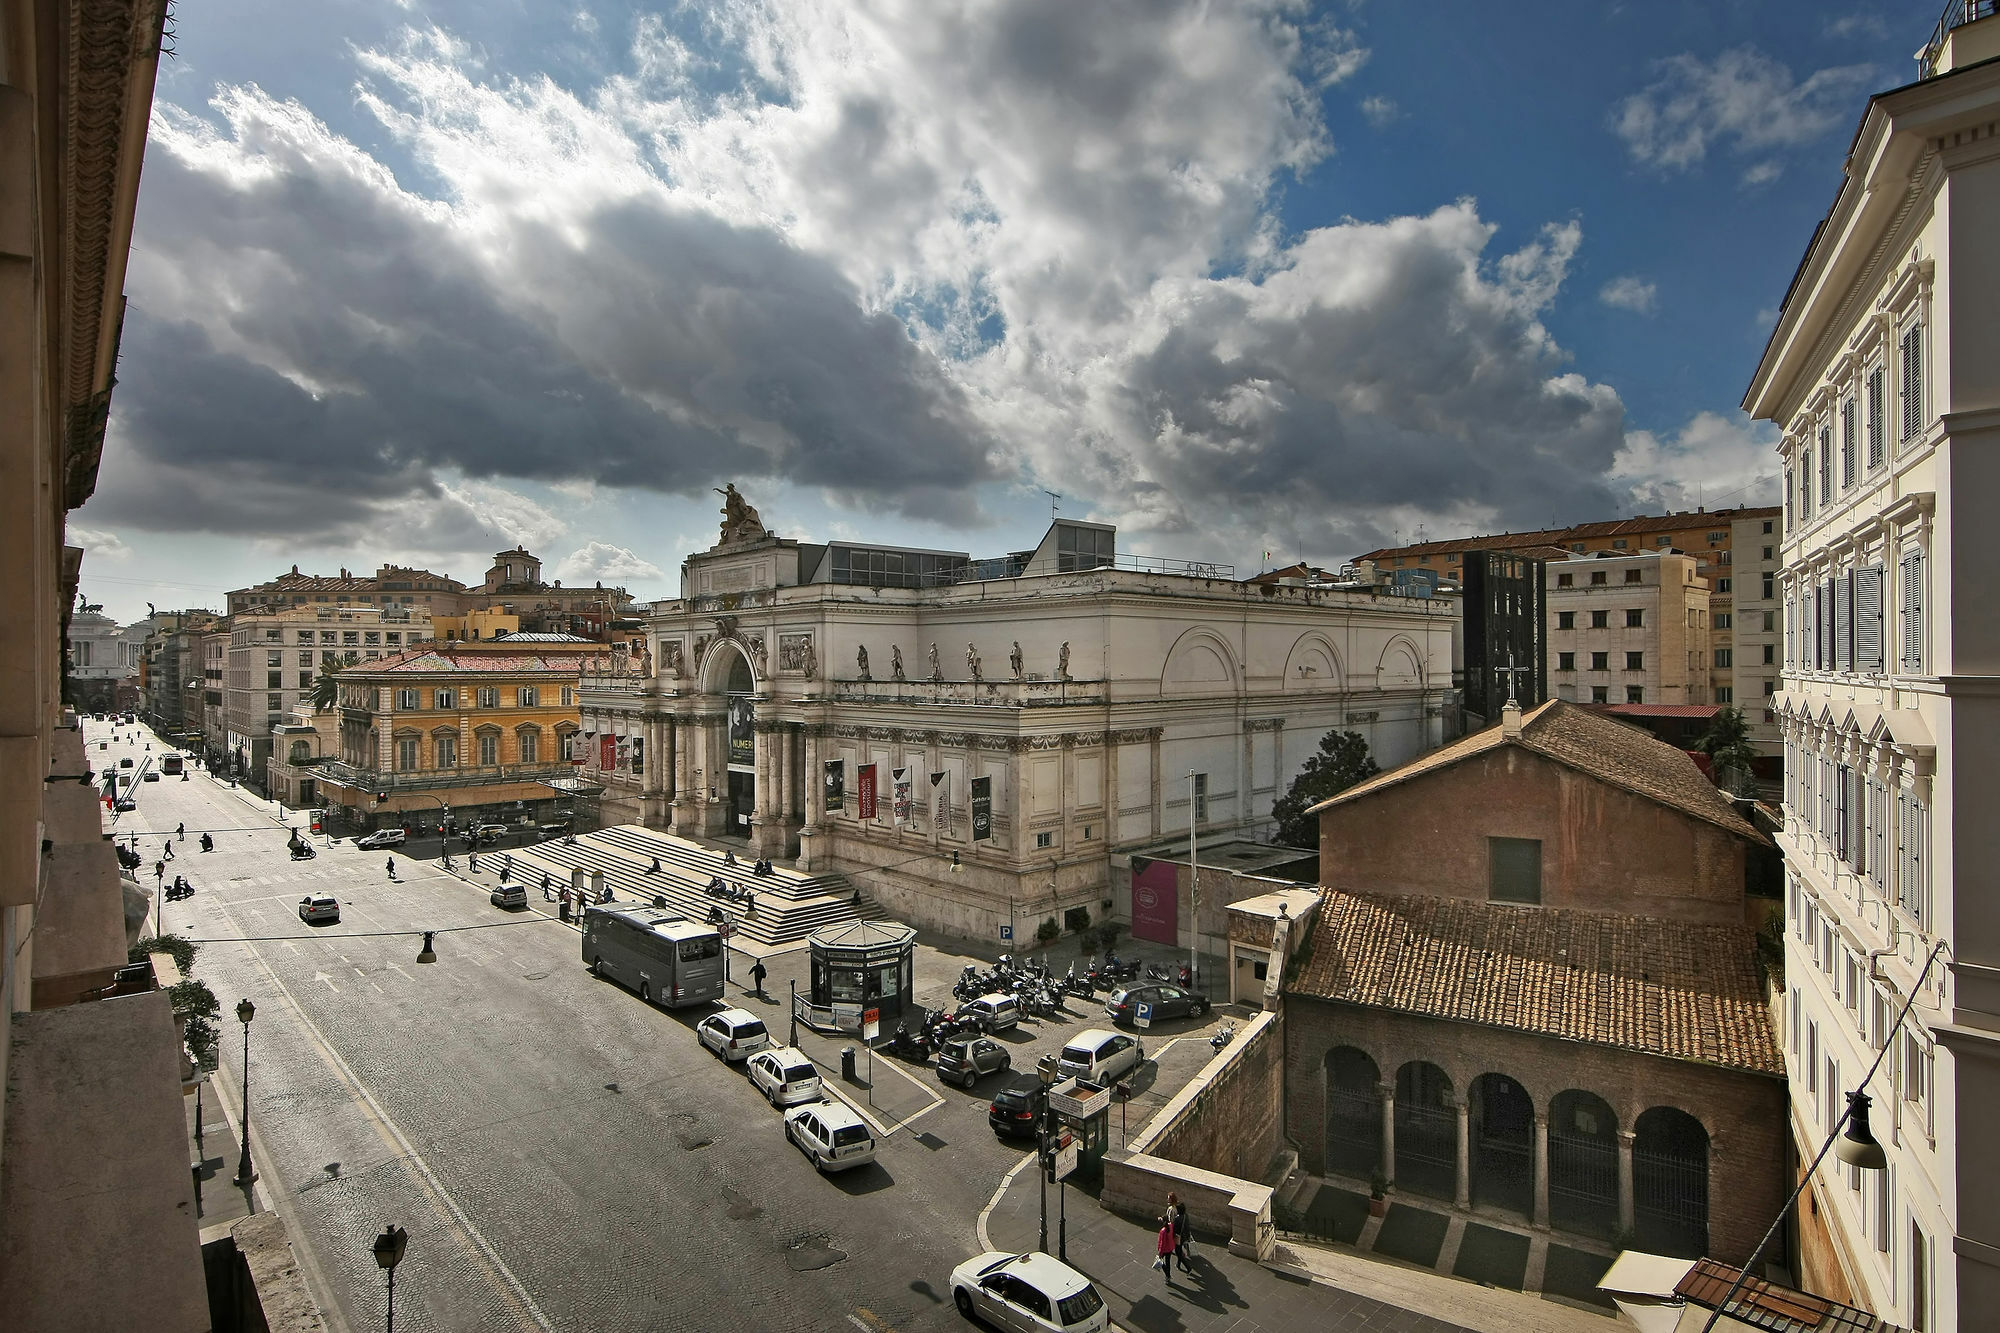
x=1629, y=629
x=1734, y=551
x=1884, y=374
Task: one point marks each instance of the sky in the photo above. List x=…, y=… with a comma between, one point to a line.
x=1254, y=280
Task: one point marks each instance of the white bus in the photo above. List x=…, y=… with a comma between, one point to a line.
x=667, y=958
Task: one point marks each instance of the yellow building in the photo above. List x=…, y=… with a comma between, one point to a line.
x=471, y=732
x=478, y=624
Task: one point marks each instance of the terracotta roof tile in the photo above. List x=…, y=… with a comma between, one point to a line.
x=1617, y=527
x=1669, y=988
x=432, y=660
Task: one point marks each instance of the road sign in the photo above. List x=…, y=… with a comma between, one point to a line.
x=1145, y=1016
x=871, y=1024
x=1006, y=932
x=724, y=929
x=1066, y=1156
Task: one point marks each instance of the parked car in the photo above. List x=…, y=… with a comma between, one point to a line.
x=1014, y=1108
x=1100, y=1056
x=125, y=804
x=786, y=1076
x=832, y=1134
x=509, y=895
x=126, y=762
x=1029, y=1292
x=388, y=837
x=733, y=1034
x=152, y=775
x=994, y=1013
x=1163, y=1001
x=317, y=907
x=963, y=1060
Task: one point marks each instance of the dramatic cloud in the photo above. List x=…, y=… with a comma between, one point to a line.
x=1630, y=293
x=1742, y=98
x=97, y=543
x=1713, y=460
x=600, y=562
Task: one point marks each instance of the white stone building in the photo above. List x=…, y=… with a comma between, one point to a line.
x=1884, y=373
x=865, y=707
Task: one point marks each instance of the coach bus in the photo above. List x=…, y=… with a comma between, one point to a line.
x=667, y=958
x=170, y=764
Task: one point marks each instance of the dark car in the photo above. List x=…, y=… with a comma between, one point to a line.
x=1162, y=1001
x=962, y=1060
x=1014, y=1107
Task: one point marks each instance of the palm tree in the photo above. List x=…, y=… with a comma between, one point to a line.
x=1731, y=755
x=326, y=685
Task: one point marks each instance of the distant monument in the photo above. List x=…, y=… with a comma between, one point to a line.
x=739, y=519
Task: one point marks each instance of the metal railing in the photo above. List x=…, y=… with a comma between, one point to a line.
x=1956, y=14
x=469, y=775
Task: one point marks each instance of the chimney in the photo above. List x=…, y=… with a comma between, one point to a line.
x=1510, y=720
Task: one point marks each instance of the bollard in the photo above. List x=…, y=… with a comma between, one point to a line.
x=847, y=1063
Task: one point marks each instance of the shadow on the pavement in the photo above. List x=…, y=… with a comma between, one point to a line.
x=872, y=1179
x=1152, y=1314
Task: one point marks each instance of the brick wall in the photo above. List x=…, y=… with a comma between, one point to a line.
x=1745, y=1114
x=1603, y=849
x=1235, y=1125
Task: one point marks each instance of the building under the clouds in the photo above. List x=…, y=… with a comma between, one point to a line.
x=982, y=742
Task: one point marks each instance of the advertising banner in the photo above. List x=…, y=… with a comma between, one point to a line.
x=941, y=800
x=638, y=754
x=607, y=752
x=1155, y=901
x=903, y=803
x=836, y=784
x=864, y=781
x=982, y=809
x=742, y=739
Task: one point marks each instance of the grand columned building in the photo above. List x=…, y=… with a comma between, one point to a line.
x=986, y=741
x=1884, y=374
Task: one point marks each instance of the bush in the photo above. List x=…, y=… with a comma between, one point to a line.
x=1047, y=932
x=1108, y=934
x=182, y=948
x=1086, y=940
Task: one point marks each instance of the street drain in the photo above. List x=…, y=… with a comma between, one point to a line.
x=813, y=1254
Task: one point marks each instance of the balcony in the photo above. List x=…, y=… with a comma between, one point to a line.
x=1948, y=49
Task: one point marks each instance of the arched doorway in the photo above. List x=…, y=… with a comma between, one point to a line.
x=740, y=746
x=1503, y=1144
x=1583, y=1163
x=1426, y=1131
x=1670, y=1182
x=1353, y=1113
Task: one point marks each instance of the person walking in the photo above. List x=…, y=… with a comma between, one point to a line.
x=757, y=975
x=548, y=891
x=167, y=852
x=392, y=870
x=1163, y=1249
x=181, y=832
x=1177, y=1210
x=562, y=899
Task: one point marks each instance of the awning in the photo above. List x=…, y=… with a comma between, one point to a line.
x=574, y=786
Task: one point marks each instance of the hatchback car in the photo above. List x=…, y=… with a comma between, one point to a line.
x=786, y=1076
x=831, y=1134
x=994, y=1013
x=1029, y=1292
x=963, y=1060
x=1014, y=1108
x=1100, y=1056
x=1161, y=1001
x=125, y=762
x=318, y=907
x=509, y=895
x=152, y=775
x=733, y=1034
x=388, y=837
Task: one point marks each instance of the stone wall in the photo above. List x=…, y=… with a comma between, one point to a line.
x=1235, y=1123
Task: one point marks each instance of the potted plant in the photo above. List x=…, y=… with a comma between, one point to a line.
x=1378, y=1195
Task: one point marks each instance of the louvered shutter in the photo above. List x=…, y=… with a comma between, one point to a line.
x=1912, y=591
x=1841, y=809
x=1913, y=382
x=1843, y=622
x=1868, y=618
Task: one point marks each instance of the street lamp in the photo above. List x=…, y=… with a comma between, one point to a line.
x=389, y=1247
x=245, y=1011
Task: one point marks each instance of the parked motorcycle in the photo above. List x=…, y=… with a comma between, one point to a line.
x=907, y=1045
x=1224, y=1035
x=1156, y=972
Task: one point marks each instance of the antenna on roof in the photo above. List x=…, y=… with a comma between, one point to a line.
x=1053, y=506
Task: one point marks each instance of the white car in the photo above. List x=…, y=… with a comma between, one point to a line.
x=831, y=1134
x=509, y=895
x=785, y=1075
x=388, y=837
x=1030, y=1292
x=733, y=1034
x=319, y=907
x=1100, y=1056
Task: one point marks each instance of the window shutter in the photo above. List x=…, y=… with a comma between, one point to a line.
x=1913, y=381
x=1913, y=612
x=1847, y=443
x=1875, y=422
x=1841, y=810
x=1826, y=625
x=1843, y=622
x=1825, y=464
x=1868, y=618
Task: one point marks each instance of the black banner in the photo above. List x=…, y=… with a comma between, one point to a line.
x=742, y=738
x=836, y=784
x=982, y=809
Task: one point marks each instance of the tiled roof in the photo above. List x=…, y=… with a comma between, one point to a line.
x=1601, y=747
x=1617, y=527
x=431, y=660
x=1659, y=710
x=1670, y=988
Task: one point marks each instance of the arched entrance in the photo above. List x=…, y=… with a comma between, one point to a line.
x=1583, y=1163
x=1503, y=1131
x=740, y=746
x=1426, y=1131
x=1353, y=1113
x=1670, y=1182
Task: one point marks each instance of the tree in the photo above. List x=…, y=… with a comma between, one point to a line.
x=1731, y=755
x=326, y=685
x=1342, y=761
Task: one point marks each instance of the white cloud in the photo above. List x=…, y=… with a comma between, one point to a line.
x=1380, y=111
x=1741, y=98
x=1762, y=173
x=602, y=562
x=1713, y=460
x=97, y=543
x=1630, y=293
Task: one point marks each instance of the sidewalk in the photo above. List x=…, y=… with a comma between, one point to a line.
x=1322, y=1290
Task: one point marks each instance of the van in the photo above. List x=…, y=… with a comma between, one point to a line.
x=994, y=1013
x=1098, y=1056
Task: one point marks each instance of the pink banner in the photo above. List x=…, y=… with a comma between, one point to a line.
x=1156, y=902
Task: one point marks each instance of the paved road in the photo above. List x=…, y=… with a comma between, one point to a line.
x=563, y=1156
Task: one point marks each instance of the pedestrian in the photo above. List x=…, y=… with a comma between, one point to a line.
x=167, y=852
x=1163, y=1249
x=548, y=892
x=757, y=975
x=563, y=900
x=392, y=870
x=1178, y=1211
x=181, y=832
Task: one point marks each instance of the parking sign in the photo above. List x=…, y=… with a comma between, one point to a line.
x=1006, y=932
x=1145, y=1016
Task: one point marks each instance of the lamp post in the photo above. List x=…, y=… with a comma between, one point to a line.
x=389, y=1247
x=1194, y=882
x=245, y=1011
x=1048, y=1076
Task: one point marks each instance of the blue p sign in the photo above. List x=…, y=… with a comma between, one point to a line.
x=1006, y=932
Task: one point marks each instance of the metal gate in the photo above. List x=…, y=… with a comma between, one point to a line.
x=1353, y=1131
x=1583, y=1182
x=1670, y=1201
x=1427, y=1149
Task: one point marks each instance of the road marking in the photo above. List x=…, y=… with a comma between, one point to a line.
x=321, y=976
x=1006, y=1183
